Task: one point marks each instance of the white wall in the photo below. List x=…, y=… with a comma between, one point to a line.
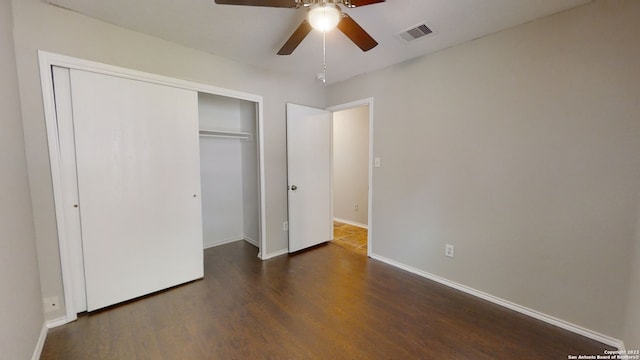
x=351, y=164
x=221, y=170
x=631, y=335
x=44, y=27
x=21, y=301
x=521, y=149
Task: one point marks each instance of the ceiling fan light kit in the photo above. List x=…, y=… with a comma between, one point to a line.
x=324, y=17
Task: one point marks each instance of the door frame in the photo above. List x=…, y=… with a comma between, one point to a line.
x=46, y=61
x=347, y=106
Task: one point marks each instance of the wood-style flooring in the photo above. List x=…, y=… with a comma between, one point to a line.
x=350, y=237
x=325, y=303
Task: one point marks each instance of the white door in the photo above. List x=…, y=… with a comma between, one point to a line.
x=309, y=133
x=70, y=201
x=138, y=183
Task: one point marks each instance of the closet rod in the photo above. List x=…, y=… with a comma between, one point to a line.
x=226, y=134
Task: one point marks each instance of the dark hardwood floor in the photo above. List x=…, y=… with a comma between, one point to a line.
x=326, y=303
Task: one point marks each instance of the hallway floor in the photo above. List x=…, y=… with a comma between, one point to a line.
x=350, y=237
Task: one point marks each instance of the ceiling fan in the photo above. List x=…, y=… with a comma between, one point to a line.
x=323, y=15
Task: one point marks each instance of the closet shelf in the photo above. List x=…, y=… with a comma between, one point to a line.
x=226, y=134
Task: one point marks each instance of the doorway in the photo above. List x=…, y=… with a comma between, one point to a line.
x=351, y=178
x=310, y=167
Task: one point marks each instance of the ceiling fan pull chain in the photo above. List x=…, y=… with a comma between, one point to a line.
x=324, y=57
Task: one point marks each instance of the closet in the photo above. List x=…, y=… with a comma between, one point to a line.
x=132, y=148
x=147, y=171
x=229, y=169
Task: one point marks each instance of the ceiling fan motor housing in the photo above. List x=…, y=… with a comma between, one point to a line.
x=307, y=3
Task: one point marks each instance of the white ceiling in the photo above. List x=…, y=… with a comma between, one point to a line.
x=253, y=35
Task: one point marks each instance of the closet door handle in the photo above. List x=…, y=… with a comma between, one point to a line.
x=294, y=188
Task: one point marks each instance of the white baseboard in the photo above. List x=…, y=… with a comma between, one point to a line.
x=507, y=304
x=40, y=344
x=251, y=241
x=210, y=244
x=364, y=226
x=57, y=322
x=273, y=254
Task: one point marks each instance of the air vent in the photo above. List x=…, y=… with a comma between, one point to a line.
x=415, y=33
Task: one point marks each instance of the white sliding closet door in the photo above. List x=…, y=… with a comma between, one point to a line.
x=139, y=183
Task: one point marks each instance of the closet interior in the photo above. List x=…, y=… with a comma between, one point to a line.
x=229, y=169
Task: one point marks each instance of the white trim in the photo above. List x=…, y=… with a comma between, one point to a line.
x=351, y=105
x=349, y=222
x=252, y=241
x=331, y=175
x=507, y=304
x=210, y=244
x=46, y=61
x=50, y=59
x=40, y=344
x=262, y=234
x=56, y=178
x=57, y=322
x=275, y=254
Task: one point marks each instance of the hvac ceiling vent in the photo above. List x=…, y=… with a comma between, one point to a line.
x=415, y=33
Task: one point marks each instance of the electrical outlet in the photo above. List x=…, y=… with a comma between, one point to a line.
x=50, y=304
x=448, y=250
x=355, y=207
x=285, y=226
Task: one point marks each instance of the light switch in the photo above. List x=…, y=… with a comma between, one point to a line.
x=376, y=162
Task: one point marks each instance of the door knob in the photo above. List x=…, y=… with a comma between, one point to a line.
x=294, y=188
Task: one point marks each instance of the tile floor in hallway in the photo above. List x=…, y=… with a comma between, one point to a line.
x=350, y=237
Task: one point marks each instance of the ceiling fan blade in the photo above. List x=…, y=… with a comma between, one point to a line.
x=357, y=3
x=270, y=3
x=356, y=33
x=296, y=38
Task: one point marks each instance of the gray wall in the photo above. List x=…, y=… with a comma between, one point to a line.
x=21, y=315
x=522, y=150
x=632, y=319
x=44, y=27
x=351, y=164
